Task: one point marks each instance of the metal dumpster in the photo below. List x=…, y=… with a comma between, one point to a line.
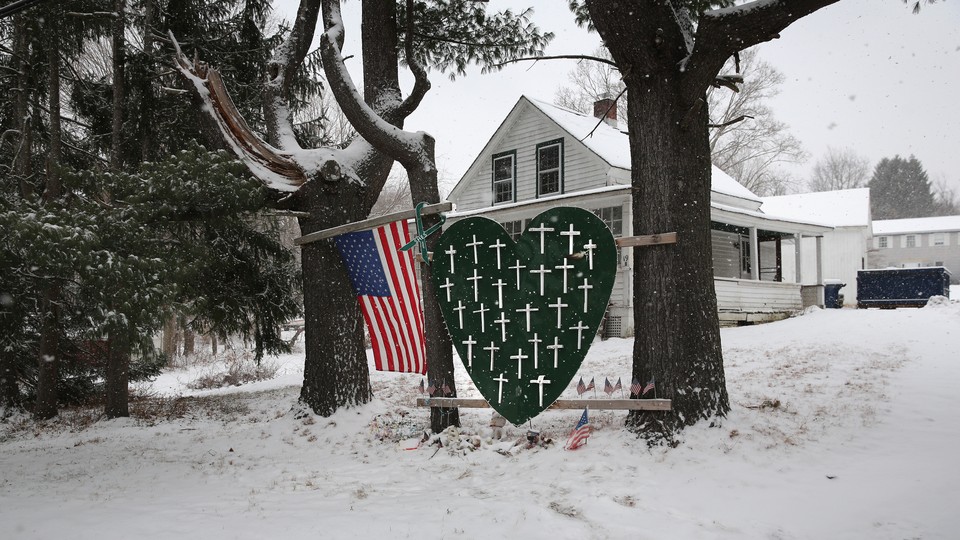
x=901, y=287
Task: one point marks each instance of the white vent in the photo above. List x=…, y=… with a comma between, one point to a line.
x=613, y=326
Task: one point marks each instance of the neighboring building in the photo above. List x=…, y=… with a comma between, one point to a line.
x=845, y=248
x=542, y=156
x=915, y=242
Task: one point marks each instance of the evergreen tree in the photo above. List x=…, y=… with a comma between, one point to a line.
x=900, y=188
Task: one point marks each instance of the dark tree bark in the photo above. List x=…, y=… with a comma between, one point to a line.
x=117, y=378
x=48, y=371
x=145, y=121
x=415, y=151
x=22, y=166
x=117, y=374
x=667, y=69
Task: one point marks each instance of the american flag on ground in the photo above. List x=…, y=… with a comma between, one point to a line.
x=446, y=389
x=431, y=389
x=618, y=386
x=581, y=387
x=607, y=387
x=591, y=386
x=421, y=386
x=579, y=435
x=650, y=386
x=385, y=281
x=636, y=387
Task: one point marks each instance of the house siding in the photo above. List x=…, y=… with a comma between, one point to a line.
x=923, y=254
x=582, y=169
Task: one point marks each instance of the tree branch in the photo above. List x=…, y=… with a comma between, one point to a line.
x=560, y=57
x=384, y=136
x=736, y=120
x=421, y=83
x=602, y=118
x=724, y=32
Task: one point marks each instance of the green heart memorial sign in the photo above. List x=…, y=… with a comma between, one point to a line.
x=523, y=314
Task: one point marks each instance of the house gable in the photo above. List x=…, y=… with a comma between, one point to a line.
x=526, y=132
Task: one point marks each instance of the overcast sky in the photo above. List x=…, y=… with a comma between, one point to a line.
x=863, y=74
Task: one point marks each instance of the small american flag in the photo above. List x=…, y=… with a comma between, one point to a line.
x=607, y=387
x=579, y=435
x=446, y=389
x=385, y=281
x=591, y=386
x=618, y=386
x=431, y=389
x=636, y=387
x=581, y=387
x=650, y=386
x=421, y=386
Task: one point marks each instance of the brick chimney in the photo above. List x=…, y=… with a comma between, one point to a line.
x=606, y=108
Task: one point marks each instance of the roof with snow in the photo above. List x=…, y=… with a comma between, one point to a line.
x=613, y=145
x=842, y=208
x=916, y=225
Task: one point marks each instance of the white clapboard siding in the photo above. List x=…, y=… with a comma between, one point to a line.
x=582, y=169
x=757, y=296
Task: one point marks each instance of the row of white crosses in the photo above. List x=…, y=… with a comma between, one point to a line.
x=542, y=270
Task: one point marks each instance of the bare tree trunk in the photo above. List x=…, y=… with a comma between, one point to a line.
x=168, y=343
x=116, y=387
x=189, y=341
x=118, y=360
x=144, y=127
x=22, y=167
x=48, y=371
x=423, y=188
x=213, y=344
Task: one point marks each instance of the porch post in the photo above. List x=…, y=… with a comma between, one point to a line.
x=821, y=300
x=754, y=255
x=797, y=240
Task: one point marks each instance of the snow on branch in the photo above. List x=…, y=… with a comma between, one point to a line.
x=265, y=162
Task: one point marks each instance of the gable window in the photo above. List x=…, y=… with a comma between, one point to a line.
x=513, y=228
x=882, y=242
x=550, y=167
x=504, y=176
x=911, y=241
x=613, y=217
x=939, y=239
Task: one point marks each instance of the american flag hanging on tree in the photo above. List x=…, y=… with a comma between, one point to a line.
x=385, y=281
x=578, y=437
x=650, y=386
x=636, y=387
x=607, y=387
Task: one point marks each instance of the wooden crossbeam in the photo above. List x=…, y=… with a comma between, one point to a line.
x=373, y=222
x=596, y=404
x=647, y=240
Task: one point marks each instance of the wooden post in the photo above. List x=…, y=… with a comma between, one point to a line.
x=373, y=222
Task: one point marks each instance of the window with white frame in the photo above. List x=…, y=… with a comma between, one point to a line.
x=911, y=241
x=882, y=242
x=939, y=239
x=613, y=217
x=513, y=228
x=550, y=167
x=504, y=176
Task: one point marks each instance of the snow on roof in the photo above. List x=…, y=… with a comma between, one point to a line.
x=613, y=145
x=916, y=225
x=842, y=208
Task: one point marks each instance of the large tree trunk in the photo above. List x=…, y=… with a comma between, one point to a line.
x=675, y=306
x=423, y=188
x=335, y=372
x=22, y=166
x=116, y=392
x=48, y=371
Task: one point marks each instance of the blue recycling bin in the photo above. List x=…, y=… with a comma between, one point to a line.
x=832, y=299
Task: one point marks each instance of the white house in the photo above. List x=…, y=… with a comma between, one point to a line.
x=542, y=156
x=914, y=242
x=845, y=248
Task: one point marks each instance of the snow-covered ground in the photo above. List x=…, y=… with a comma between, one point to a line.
x=843, y=426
